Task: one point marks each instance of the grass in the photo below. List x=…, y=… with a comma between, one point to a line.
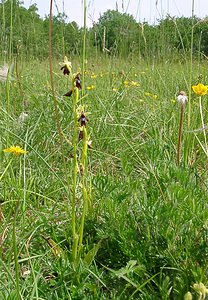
x=146, y=234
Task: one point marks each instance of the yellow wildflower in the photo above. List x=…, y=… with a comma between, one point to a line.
x=16, y=150
x=93, y=76
x=126, y=83
x=134, y=83
x=91, y=87
x=200, y=89
x=115, y=90
x=151, y=95
x=131, y=83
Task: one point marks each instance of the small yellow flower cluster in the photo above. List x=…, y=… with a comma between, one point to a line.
x=16, y=150
x=90, y=87
x=131, y=83
x=200, y=89
x=151, y=95
x=93, y=76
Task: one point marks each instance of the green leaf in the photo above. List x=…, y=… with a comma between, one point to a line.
x=55, y=248
x=92, y=253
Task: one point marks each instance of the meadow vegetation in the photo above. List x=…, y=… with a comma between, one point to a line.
x=94, y=204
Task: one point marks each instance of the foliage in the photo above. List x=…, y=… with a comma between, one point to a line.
x=115, y=33
x=146, y=235
x=144, y=230
x=30, y=32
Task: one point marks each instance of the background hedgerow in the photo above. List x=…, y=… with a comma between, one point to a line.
x=25, y=33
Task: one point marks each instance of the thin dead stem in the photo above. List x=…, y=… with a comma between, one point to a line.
x=180, y=134
x=52, y=88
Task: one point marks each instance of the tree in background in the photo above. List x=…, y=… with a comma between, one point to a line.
x=30, y=32
x=117, y=32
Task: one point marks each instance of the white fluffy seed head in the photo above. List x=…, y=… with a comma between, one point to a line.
x=182, y=98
